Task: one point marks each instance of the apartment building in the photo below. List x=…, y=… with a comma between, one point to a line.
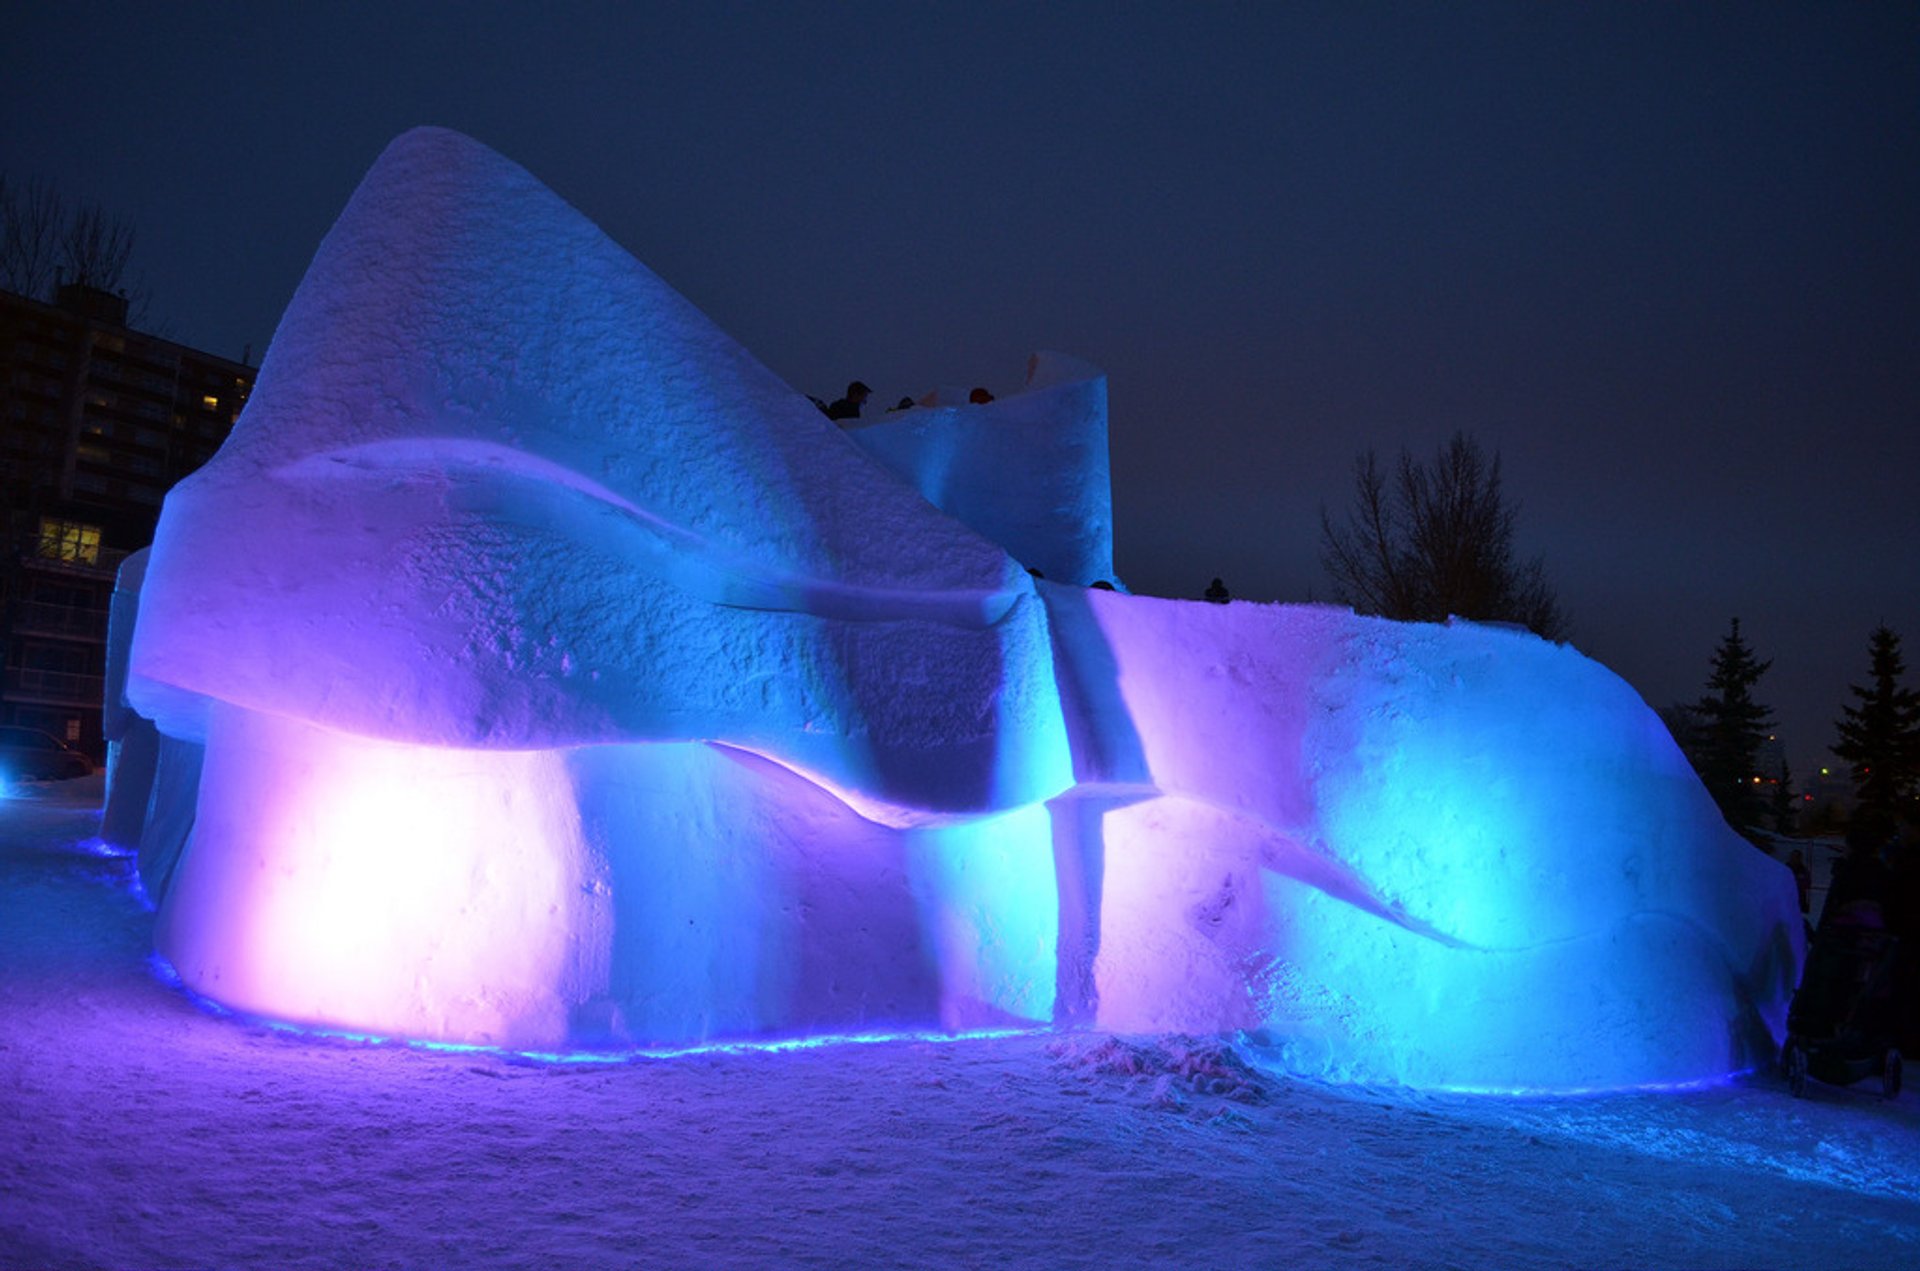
x=97, y=421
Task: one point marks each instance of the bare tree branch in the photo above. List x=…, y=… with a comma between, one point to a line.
x=31, y=224
x=1441, y=546
x=1360, y=556
x=95, y=248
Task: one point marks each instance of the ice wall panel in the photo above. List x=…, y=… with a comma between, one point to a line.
x=1028, y=470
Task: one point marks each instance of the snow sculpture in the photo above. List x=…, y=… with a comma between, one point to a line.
x=565, y=680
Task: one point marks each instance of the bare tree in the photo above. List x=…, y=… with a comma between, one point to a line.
x=32, y=224
x=1436, y=541
x=44, y=243
x=95, y=247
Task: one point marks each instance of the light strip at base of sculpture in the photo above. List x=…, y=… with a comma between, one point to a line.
x=533, y=668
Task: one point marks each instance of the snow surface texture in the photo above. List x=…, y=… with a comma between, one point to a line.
x=562, y=679
x=142, y=1132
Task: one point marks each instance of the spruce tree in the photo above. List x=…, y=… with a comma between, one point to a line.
x=1786, y=802
x=1880, y=738
x=1732, y=726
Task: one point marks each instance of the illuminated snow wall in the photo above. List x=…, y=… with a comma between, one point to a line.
x=592, y=897
x=565, y=680
x=1450, y=855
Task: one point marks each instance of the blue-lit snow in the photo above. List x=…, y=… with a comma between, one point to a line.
x=142, y=1130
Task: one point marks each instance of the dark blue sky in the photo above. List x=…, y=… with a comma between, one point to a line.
x=1664, y=258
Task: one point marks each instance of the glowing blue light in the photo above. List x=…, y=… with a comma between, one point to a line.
x=164, y=972
x=1582, y=1092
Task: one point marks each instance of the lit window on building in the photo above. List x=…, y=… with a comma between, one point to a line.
x=69, y=541
x=209, y=401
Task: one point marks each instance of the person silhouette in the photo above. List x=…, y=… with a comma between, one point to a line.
x=848, y=407
x=1802, y=876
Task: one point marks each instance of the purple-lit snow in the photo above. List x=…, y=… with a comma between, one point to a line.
x=141, y=1130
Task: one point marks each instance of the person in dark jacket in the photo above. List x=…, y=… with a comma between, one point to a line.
x=848, y=407
x=1802, y=876
x=1859, y=886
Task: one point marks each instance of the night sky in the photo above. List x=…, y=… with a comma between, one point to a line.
x=1664, y=258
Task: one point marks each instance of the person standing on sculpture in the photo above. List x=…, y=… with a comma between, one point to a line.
x=848, y=407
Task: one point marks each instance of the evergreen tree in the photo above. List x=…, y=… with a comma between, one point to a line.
x=1880, y=738
x=1786, y=804
x=1732, y=726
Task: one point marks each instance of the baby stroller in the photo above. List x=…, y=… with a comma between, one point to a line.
x=1841, y=1025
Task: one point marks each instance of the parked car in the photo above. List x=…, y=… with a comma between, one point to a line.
x=27, y=754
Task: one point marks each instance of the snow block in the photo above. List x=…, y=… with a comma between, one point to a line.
x=1028, y=470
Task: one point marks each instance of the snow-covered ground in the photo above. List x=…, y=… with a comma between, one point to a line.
x=139, y=1129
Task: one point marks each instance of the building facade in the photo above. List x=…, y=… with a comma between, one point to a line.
x=97, y=422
